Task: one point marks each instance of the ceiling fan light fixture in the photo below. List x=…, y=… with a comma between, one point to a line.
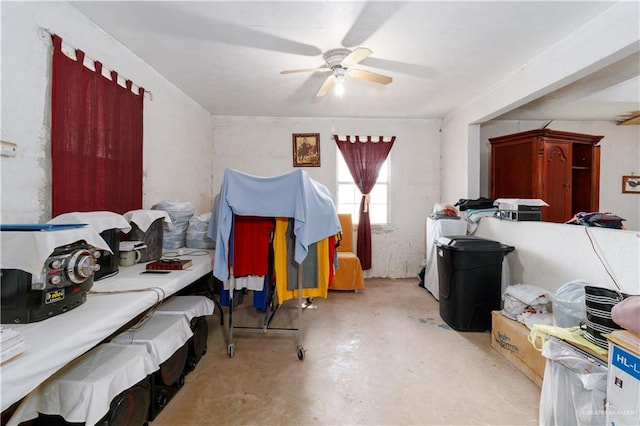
x=338, y=72
x=338, y=62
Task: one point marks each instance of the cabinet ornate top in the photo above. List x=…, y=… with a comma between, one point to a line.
x=548, y=134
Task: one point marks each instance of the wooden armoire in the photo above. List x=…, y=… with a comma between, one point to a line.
x=561, y=168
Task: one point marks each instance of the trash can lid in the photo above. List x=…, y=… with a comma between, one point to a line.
x=471, y=243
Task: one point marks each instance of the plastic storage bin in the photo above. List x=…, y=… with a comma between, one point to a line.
x=470, y=278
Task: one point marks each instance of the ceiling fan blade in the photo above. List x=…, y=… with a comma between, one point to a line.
x=373, y=15
x=356, y=55
x=629, y=119
x=326, y=86
x=320, y=69
x=633, y=121
x=202, y=24
x=371, y=76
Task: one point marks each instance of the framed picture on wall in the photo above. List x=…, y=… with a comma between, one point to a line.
x=631, y=184
x=306, y=150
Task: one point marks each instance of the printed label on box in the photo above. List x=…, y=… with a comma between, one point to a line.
x=626, y=362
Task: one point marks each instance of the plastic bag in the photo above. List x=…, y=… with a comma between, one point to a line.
x=573, y=389
x=175, y=233
x=197, y=232
x=520, y=298
x=568, y=304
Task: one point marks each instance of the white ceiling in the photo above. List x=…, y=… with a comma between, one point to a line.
x=228, y=55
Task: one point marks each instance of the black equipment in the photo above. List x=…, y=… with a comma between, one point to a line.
x=65, y=279
x=167, y=381
x=197, y=343
x=129, y=408
x=108, y=263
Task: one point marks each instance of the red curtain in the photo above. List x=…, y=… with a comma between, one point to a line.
x=96, y=138
x=364, y=159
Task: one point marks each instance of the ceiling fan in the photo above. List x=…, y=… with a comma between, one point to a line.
x=340, y=63
x=630, y=118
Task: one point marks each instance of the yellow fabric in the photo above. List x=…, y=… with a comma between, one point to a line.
x=323, y=275
x=346, y=243
x=280, y=256
x=280, y=265
x=572, y=335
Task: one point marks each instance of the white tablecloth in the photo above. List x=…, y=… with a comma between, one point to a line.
x=437, y=228
x=189, y=306
x=162, y=335
x=58, y=340
x=144, y=218
x=83, y=390
x=99, y=221
x=28, y=250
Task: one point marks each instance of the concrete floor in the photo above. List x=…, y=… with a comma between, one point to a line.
x=381, y=356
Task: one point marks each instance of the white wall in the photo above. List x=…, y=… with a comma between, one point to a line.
x=606, y=39
x=551, y=254
x=619, y=155
x=177, y=131
x=263, y=146
x=184, y=158
x=548, y=254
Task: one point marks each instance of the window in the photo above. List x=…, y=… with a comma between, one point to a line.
x=349, y=195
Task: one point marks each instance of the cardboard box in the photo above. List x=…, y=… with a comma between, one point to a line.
x=510, y=338
x=623, y=380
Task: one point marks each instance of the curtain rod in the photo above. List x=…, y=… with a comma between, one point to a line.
x=48, y=32
x=365, y=139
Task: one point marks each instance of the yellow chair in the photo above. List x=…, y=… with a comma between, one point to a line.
x=348, y=275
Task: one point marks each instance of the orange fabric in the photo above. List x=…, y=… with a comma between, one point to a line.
x=348, y=275
x=346, y=244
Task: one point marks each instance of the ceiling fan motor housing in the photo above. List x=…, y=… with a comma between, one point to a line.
x=334, y=57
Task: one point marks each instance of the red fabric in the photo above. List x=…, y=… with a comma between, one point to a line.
x=332, y=259
x=96, y=138
x=364, y=159
x=251, y=242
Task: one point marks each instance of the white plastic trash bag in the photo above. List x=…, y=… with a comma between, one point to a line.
x=175, y=233
x=573, y=389
x=569, y=308
x=197, y=232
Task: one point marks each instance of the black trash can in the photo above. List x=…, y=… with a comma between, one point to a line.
x=470, y=280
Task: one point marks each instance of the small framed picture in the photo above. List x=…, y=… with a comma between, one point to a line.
x=306, y=150
x=631, y=184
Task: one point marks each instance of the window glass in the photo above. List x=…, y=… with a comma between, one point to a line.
x=349, y=195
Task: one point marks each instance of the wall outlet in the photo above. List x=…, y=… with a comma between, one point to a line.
x=8, y=149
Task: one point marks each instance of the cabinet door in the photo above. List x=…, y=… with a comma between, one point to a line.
x=556, y=181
